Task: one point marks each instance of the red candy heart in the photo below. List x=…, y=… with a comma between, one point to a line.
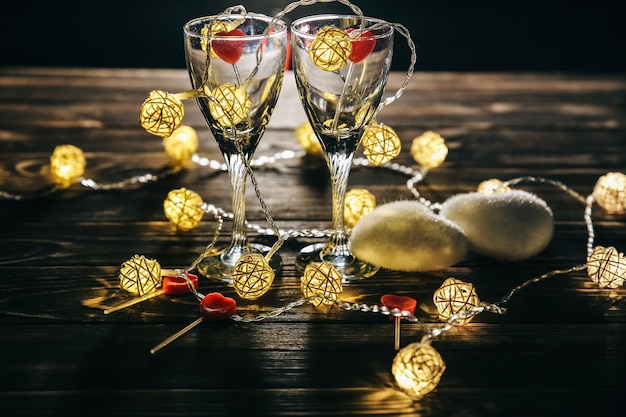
x=361, y=48
x=178, y=285
x=216, y=307
x=229, y=50
x=400, y=302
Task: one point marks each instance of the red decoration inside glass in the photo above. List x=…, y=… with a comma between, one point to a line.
x=401, y=302
x=178, y=285
x=361, y=48
x=229, y=50
x=215, y=307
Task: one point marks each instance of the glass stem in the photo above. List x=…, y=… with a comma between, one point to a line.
x=238, y=175
x=339, y=165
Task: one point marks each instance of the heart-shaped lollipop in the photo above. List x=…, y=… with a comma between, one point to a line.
x=177, y=285
x=215, y=307
x=228, y=49
x=401, y=303
x=361, y=48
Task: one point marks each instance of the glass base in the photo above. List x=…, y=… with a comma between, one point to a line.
x=218, y=264
x=351, y=268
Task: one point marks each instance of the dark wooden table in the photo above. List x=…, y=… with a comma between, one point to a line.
x=559, y=350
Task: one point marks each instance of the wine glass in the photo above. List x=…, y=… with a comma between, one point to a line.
x=236, y=63
x=341, y=65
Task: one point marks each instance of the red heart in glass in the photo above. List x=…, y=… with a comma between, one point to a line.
x=229, y=50
x=177, y=285
x=361, y=48
x=215, y=307
x=401, y=302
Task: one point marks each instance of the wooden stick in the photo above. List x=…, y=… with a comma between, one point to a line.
x=133, y=301
x=175, y=336
x=396, y=330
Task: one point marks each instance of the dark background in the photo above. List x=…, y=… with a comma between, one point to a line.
x=479, y=35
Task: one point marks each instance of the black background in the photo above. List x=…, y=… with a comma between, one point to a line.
x=480, y=35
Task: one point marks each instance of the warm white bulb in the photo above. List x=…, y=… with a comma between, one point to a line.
x=454, y=297
x=67, y=163
x=183, y=208
x=429, y=149
x=417, y=369
x=492, y=186
x=607, y=267
x=358, y=203
x=610, y=192
x=181, y=144
x=140, y=276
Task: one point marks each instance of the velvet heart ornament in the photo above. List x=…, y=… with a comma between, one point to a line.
x=216, y=307
x=227, y=49
x=361, y=48
x=510, y=226
x=401, y=302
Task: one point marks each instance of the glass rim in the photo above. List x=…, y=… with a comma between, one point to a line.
x=278, y=25
x=389, y=29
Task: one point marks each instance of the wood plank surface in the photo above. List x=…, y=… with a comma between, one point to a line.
x=559, y=350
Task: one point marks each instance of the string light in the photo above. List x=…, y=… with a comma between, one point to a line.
x=418, y=367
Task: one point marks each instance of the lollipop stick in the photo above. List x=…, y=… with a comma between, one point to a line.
x=133, y=301
x=396, y=329
x=175, y=336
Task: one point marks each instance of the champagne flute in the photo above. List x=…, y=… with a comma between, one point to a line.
x=341, y=65
x=236, y=63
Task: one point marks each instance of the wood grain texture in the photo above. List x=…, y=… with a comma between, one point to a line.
x=559, y=350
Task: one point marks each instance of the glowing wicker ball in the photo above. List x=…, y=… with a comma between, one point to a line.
x=140, y=275
x=322, y=282
x=453, y=297
x=492, y=186
x=161, y=113
x=429, y=149
x=610, y=192
x=181, y=144
x=358, y=203
x=308, y=139
x=252, y=276
x=417, y=369
x=331, y=48
x=380, y=144
x=607, y=267
x=67, y=163
x=229, y=104
x=183, y=208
